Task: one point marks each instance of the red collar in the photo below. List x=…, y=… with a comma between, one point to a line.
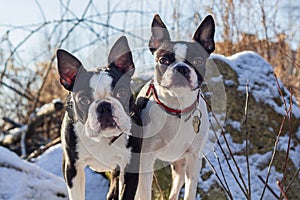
x=152, y=91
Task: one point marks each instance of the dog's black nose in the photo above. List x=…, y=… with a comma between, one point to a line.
x=184, y=70
x=104, y=110
x=105, y=116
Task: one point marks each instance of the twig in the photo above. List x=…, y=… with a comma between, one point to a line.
x=157, y=185
x=277, y=139
x=289, y=141
x=281, y=190
x=280, y=92
x=53, y=56
x=227, y=161
x=12, y=122
x=273, y=156
x=42, y=149
x=270, y=189
x=15, y=90
x=223, y=175
x=293, y=179
x=247, y=141
x=289, y=57
x=18, y=46
x=243, y=189
x=225, y=187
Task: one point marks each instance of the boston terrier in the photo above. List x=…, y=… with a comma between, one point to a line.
x=98, y=129
x=173, y=111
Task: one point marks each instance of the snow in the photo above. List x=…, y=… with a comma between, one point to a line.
x=21, y=180
x=294, y=151
x=256, y=162
x=251, y=68
x=298, y=133
x=229, y=82
x=235, y=124
x=96, y=185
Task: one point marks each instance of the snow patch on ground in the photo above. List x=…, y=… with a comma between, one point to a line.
x=294, y=151
x=256, y=162
x=96, y=185
x=21, y=180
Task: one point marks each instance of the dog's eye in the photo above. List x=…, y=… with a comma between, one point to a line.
x=121, y=93
x=85, y=100
x=164, y=61
x=198, y=61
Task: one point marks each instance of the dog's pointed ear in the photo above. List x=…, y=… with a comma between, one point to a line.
x=159, y=32
x=120, y=57
x=204, y=35
x=68, y=67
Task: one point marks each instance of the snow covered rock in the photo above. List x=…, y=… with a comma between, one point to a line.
x=266, y=110
x=21, y=180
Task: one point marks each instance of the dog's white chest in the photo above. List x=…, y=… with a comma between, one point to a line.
x=170, y=136
x=102, y=156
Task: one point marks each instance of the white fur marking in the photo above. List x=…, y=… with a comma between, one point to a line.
x=180, y=51
x=102, y=84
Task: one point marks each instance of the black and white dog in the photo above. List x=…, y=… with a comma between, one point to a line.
x=98, y=129
x=174, y=114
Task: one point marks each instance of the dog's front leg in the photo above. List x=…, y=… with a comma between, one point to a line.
x=145, y=186
x=178, y=172
x=193, y=167
x=129, y=179
x=113, y=193
x=75, y=181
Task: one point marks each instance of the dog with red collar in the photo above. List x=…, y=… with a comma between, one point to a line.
x=174, y=114
x=99, y=127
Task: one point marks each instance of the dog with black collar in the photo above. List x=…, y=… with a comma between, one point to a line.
x=99, y=127
x=174, y=114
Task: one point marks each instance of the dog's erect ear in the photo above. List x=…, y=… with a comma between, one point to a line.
x=160, y=33
x=120, y=56
x=68, y=67
x=204, y=35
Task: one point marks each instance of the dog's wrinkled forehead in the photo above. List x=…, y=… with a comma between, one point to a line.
x=101, y=83
x=181, y=51
x=93, y=81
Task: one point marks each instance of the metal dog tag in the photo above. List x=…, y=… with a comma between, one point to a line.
x=196, y=124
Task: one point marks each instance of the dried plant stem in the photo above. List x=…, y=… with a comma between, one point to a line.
x=270, y=189
x=49, y=66
x=226, y=189
x=289, y=115
x=293, y=179
x=281, y=190
x=277, y=139
x=289, y=141
x=247, y=141
x=273, y=156
x=223, y=175
x=280, y=92
x=243, y=188
x=158, y=186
